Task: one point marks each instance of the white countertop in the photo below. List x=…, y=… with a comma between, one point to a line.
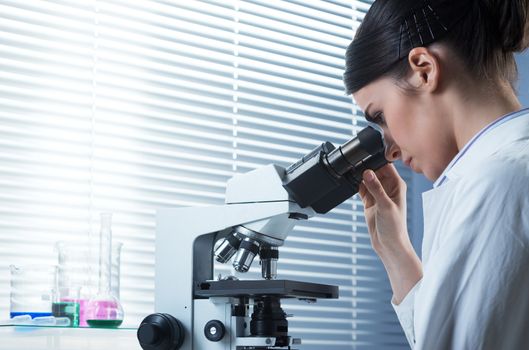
x=53, y=338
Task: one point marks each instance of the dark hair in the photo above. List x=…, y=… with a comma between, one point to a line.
x=484, y=34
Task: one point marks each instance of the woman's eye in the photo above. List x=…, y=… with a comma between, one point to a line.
x=379, y=119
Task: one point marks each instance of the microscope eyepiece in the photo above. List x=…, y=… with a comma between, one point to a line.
x=328, y=176
x=247, y=252
x=352, y=154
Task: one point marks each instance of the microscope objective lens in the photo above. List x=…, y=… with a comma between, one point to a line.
x=227, y=249
x=247, y=252
x=269, y=256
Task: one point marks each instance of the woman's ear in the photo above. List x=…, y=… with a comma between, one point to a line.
x=425, y=69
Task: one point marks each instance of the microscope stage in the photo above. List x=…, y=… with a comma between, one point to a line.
x=257, y=288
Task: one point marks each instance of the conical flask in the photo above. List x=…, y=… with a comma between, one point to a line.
x=104, y=310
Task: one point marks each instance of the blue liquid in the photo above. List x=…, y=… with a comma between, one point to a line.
x=32, y=314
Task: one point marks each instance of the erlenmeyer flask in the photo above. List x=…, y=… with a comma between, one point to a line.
x=104, y=310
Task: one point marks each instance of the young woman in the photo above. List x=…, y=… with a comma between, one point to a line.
x=438, y=77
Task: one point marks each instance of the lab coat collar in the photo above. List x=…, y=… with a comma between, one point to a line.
x=509, y=128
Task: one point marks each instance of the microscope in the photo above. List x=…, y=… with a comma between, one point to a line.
x=196, y=312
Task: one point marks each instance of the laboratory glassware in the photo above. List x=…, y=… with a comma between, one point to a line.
x=79, y=268
x=66, y=303
x=74, y=281
x=115, y=270
x=31, y=290
x=104, y=310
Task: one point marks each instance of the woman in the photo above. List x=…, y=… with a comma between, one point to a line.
x=438, y=77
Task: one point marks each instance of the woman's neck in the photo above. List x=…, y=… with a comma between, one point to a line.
x=479, y=108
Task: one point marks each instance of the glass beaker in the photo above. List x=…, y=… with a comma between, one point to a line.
x=104, y=310
x=76, y=263
x=78, y=270
x=31, y=290
x=66, y=303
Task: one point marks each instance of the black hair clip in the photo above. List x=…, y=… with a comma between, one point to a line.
x=420, y=27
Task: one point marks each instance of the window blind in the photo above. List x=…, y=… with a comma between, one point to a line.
x=129, y=106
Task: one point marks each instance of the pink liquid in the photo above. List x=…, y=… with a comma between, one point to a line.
x=102, y=310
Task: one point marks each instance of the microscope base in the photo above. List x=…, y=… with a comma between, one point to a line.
x=236, y=328
x=250, y=311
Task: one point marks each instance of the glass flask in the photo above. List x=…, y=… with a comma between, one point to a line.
x=104, y=309
x=78, y=269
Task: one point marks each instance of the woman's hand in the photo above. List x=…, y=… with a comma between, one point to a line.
x=384, y=196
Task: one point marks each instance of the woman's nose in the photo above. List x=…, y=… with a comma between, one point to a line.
x=392, y=152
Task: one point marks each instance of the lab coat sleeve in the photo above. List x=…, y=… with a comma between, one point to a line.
x=404, y=312
x=473, y=293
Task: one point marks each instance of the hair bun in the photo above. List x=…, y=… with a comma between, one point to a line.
x=509, y=19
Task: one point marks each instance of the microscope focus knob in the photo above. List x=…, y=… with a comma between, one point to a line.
x=214, y=330
x=160, y=332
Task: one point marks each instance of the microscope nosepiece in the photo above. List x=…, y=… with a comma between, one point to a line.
x=227, y=249
x=247, y=252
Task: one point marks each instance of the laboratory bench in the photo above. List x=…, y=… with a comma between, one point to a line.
x=63, y=338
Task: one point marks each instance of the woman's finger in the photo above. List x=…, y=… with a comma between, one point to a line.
x=389, y=177
x=388, y=171
x=375, y=188
x=367, y=198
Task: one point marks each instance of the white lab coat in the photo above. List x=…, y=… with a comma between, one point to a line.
x=475, y=290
